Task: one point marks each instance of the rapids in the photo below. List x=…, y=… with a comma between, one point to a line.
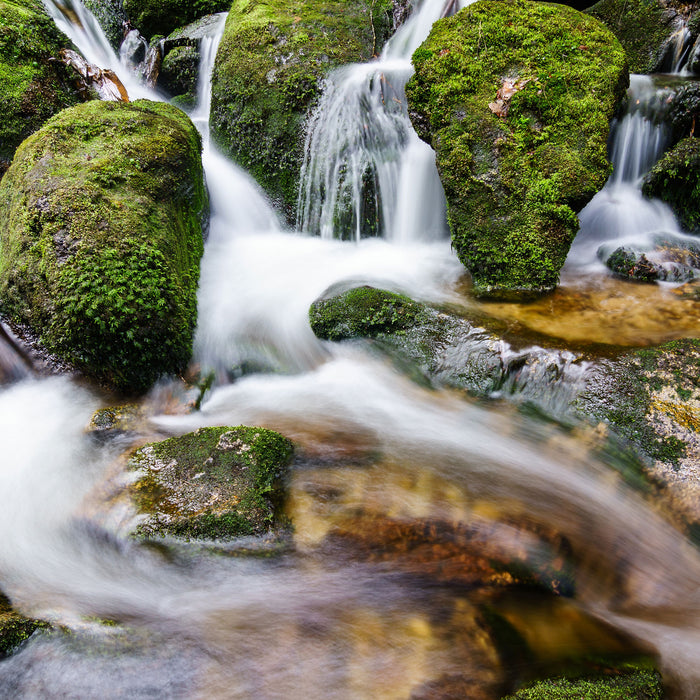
x=321, y=618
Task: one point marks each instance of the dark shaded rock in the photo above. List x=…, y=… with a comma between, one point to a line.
x=683, y=116
x=153, y=17
x=516, y=99
x=268, y=74
x=644, y=28
x=179, y=74
x=32, y=87
x=669, y=260
x=675, y=179
x=111, y=17
x=213, y=484
x=101, y=227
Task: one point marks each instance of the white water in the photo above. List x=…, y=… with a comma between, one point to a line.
x=308, y=625
x=366, y=172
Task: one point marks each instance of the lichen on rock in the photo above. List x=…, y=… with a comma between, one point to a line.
x=213, y=484
x=101, y=220
x=516, y=99
x=268, y=74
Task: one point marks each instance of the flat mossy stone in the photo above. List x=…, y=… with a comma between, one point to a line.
x=101, y=220
x=213, y=484
x=32, y=87
x=627, y=684
x=516, y=99
x=269, y=72
x=643, y=27
x=153, y=17
x=675, y=179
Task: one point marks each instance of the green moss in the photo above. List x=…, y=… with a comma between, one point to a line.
x=642, y=27
x=215, y=483
x=163, y=16
x=111, y=17
x=628, y=684
x=268, y=74
x=675, y=179
x=100, y=233
x=179, y=74
x=32, y=88
x=14, y=628
x=514, y=177
x=362, y=312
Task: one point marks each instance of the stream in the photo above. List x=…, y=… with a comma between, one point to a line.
x=350, y=608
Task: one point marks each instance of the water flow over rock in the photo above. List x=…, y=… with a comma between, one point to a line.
x=365, y=170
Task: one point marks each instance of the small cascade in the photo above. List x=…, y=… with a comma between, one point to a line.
x=365, y=169
x=141, y=59
x=619, y=214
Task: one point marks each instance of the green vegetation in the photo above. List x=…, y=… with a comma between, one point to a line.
x=516, y=99
x=153, y=17
x=32, y=88
x=627, y=684
x=14, y=628
x=675, y=179
x=215, y=483
x=268, y=74
x=362, y=312
x=178, y=75
x=110, y=16
x=100, y=239
x=642, y=26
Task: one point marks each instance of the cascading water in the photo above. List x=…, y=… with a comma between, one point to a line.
x=366, y=173
x=317, y=622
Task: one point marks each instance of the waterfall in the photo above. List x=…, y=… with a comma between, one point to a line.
x=619, y=214
x=365, y=171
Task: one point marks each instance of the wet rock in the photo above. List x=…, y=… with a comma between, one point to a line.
x=15, y=628
x=153, y=17
x=268, y=75
x=651, y=397
x=32, y=87
x=179, y=74
x=675, y=179
x=669, y=260
x=643, y=27
x=111, y=17
x=683, y=114
x=116, y=421
x=101, y=226
x=213, y=484
x=516, y=99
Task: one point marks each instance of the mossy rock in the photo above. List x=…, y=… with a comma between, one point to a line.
x=213, y=484
x=675, y=179
x=153, y=17
x=643, y=28
x=268, y=74
x=15, y=628
x=101, y=220
x=111, y=16
x=683, y=115
x=32, y=88
x=624, y=684
x=516, y=99
x=179, y=74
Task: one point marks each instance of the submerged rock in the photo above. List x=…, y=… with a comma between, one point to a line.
x=213, y=484
x=644, y=28
x=675, y=179
x=268, y=74
x=101, y=229
x=516, y=99
x=32, y=87
x=160, y=17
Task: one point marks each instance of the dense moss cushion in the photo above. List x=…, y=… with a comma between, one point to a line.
x=516, y=99
x=100, y=239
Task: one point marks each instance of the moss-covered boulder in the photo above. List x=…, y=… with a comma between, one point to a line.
x=268, y=73
x=675, y=179
x=100, y=239
x=32, y=88
x=516, y=99
x=152, y=17
x=644, y=28
x=666, y=258
x=213, y=484
x=179, y=74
